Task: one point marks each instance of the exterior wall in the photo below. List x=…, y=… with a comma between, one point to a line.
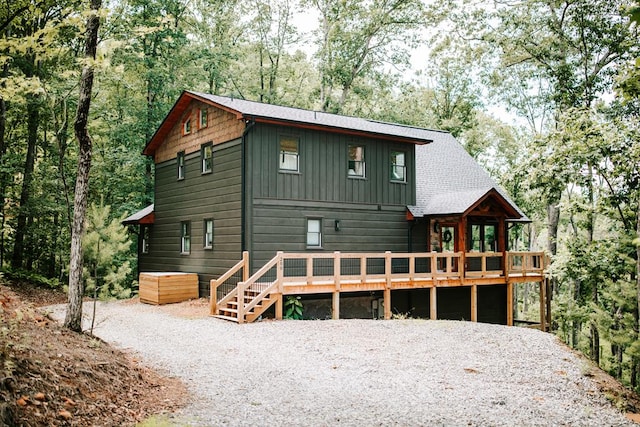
x=222, y=127
x=371, y=211
x=199, y=196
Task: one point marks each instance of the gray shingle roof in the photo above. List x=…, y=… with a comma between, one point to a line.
x=134, y=218
x=318, y=118
x=449, y=180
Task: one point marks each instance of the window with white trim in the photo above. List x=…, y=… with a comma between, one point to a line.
x=208, y=233
x=202, y=118
x=314, y=232
x=186, y=127
x=289, y=159
x=144, y=240
x=206, y=154
x=356, y=167
x=398, y=166
x=185, y=237
x=181, y=165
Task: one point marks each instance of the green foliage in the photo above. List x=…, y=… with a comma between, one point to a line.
x=31, y=277
x=106, y=259
x=293, y=308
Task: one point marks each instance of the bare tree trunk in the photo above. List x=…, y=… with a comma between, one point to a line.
x=636, y=362
x=73, y=319
x=33, y=116
x=3, y=174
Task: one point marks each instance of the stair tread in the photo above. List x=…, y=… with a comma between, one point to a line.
x=223, y=317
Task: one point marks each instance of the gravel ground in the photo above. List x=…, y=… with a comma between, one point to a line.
x=361, y=372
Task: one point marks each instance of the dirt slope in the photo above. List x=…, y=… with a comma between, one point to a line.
x=50, y=376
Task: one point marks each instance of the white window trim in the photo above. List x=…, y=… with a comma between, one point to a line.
x=205, y=233
x=319, y=233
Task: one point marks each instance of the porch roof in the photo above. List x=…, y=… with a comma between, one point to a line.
x=143, y=216
x=450, y=182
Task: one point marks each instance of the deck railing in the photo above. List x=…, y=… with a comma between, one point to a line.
x=294, y=273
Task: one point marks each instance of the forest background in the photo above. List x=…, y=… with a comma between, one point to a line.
x=565, y=75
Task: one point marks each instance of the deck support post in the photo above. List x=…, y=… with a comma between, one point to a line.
x=213, y=297
x=241, y=287
x=279, y=304
x=433, y=302
x=474, y=303
x=509, y=304
x=387, y=286
x=335, y=303
x=543, y=306
x=387, y=304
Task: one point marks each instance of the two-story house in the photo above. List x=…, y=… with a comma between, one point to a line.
x=234, y=176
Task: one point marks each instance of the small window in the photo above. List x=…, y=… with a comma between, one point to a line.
x=144, y=241
x=356, y=161
x=185, y=237
x=206, y=154
x=202, y=120
x=186, y=127
x=180, y=160
x=314, y=232
x=289, y=154
x=398, y=166
x=208, y=233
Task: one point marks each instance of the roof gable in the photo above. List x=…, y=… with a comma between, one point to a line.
x=450, y=181
x=296, y=117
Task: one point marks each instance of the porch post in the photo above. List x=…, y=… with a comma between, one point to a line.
x=474, y=303
x=387, y=287
x=335, y=303
x=433, y=309
x=509, y=303
x=543, y=306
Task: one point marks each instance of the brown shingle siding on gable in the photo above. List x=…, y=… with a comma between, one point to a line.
x=222, y=127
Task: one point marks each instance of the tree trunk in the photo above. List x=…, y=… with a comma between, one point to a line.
x=73, y=318
x=33, y=116
x=3, y=174
x=636, y=361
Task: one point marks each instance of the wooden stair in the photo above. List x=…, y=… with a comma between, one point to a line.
x=252, y=298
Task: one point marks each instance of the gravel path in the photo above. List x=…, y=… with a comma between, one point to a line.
x=361, y=372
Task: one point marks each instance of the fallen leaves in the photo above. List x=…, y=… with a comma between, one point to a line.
x=56, y=377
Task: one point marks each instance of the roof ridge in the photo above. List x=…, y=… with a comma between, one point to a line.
x=407, y=126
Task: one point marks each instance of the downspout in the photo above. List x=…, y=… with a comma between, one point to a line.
x=249, y=123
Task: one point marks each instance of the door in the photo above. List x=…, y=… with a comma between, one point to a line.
x=448, y=244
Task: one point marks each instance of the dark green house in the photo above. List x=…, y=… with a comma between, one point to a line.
x=233, y=175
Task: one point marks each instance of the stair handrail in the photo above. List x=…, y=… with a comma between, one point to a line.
x=242, y=286
x=215, y=283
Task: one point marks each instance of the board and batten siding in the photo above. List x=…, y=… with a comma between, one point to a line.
x=323, y=174
x=371, y=210
x=197, y=197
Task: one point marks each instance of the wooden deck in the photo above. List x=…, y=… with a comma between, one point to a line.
x=333, y=273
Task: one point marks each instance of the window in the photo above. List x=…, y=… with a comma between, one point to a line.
x=202, y=118
x=144, y=239
x=206, y=154
x=208, y=233
x=180, y=160
x=398, y=166
x=289, y=154
x=482, y=238
x=314, y=232
x=186, y=126
x=356, y=161
x=185, y=237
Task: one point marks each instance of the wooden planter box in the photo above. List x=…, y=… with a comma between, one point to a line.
x=165, y=288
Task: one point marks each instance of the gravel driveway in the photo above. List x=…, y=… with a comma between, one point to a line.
x=361, y=372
